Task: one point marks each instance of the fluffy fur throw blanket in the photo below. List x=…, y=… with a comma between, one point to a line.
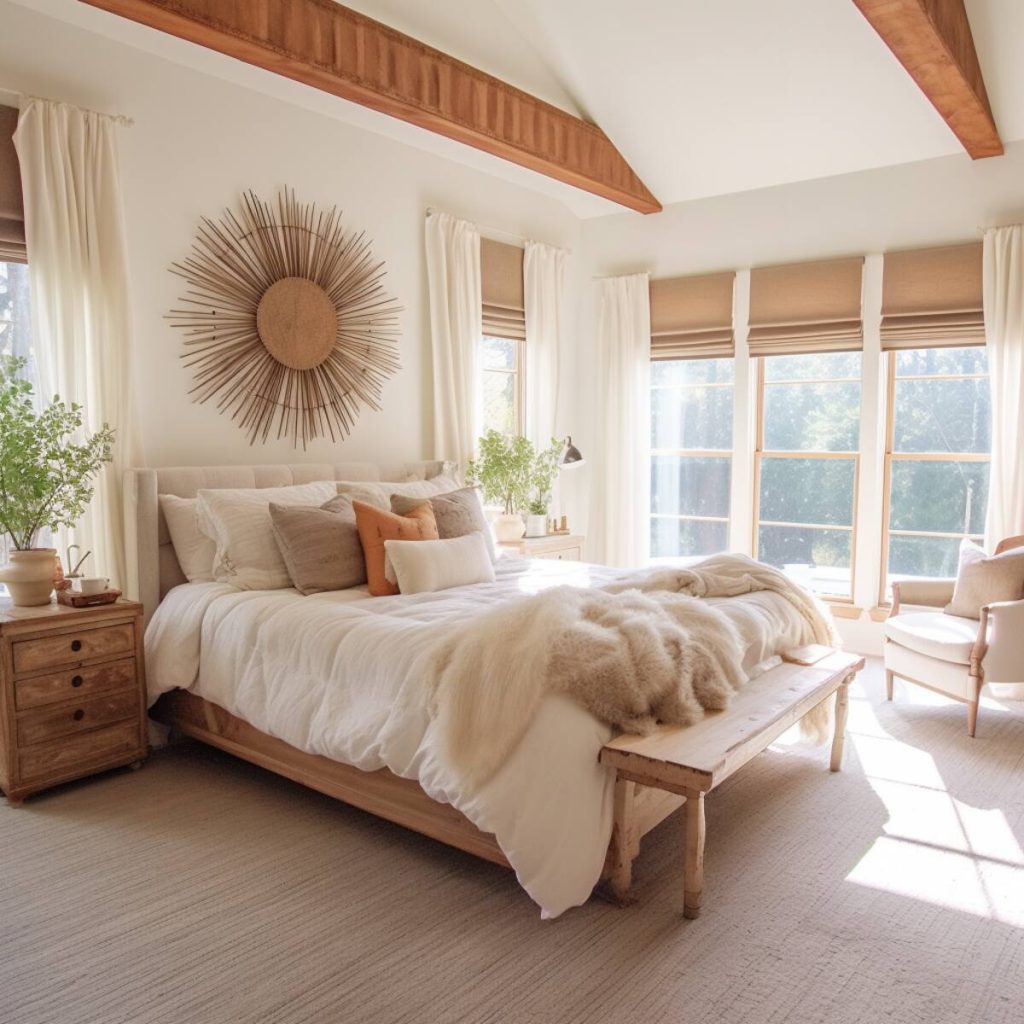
x=642, y=650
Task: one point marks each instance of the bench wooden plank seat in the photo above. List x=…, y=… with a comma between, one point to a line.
x=692, y=760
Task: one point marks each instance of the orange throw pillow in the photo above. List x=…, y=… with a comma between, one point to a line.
x=376, y=526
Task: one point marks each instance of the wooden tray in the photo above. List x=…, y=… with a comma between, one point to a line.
x=73, y=599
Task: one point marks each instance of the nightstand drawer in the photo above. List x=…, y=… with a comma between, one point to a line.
x=564, y=555
x=74, y=684
x=69, y=648
x=51, y=761
x=49, y=723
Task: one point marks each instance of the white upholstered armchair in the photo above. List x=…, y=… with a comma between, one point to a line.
x=953, y=655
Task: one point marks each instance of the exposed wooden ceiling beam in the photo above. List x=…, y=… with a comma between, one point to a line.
x=932, y=40
x=340, y=51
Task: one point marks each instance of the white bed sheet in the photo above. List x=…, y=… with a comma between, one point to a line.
x=341, y=674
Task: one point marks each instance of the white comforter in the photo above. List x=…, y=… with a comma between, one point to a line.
x=340, y=674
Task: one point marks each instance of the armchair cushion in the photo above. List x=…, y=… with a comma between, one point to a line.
x=983, y=581
x=935, y=634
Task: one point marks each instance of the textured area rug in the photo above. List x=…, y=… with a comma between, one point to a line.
x=201, y=889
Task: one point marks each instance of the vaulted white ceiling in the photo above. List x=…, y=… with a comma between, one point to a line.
x=702, y=97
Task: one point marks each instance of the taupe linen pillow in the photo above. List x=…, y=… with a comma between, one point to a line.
x=320, y=545
x=457, y=513
x=982, y=581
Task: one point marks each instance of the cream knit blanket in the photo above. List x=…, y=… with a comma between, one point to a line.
x=637, y=652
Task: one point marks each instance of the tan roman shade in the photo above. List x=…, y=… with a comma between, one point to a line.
x=932, y=298
x=12, y=216
x=806, y=307
x=691, y=317
x=501, y=288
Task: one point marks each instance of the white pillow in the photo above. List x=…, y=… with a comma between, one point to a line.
x=423, y=566
x=194, y=549
x=238, y=519
x=379, y=493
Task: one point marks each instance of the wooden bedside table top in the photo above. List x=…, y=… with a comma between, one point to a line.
x=57, y=614
x=565, y=540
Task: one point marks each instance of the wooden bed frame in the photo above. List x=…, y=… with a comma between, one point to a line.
x=655, y=775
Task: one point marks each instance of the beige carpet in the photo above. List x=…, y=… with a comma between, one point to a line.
x=202, y=890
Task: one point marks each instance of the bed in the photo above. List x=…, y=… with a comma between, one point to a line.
x=324, y=690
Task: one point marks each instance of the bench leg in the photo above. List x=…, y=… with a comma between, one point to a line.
x=842, y=707
x=693, y=881
x=624, y=842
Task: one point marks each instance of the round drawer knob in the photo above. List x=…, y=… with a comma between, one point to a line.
x=78, y=715
x=76, y=645
x=77, y=681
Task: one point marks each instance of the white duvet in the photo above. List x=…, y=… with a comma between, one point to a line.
x=340, y=674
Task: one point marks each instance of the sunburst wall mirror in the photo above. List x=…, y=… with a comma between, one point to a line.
x=287, y=324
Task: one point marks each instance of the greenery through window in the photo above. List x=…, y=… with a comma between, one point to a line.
x=691, y=456
x=937, y=458
x=501, y=386
x=807, y=461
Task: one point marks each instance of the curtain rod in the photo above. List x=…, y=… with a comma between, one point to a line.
x=120, y=119
x=508, y=235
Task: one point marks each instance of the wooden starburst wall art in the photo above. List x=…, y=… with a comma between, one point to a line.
x=287, y=325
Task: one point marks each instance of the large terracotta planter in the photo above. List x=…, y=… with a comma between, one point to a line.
x=28, y=576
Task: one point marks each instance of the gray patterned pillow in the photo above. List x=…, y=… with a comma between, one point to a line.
x=457, y=513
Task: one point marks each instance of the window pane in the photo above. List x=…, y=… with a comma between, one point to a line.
x=820, y=366
x=817, y=559
x=690, y=485
x=15, y=319
x=807, y=491
x=918, y=361
x=499, y=354
x=943, y=416
x=812, y=417
x=692, y=371
x=939, y=497
x=674, y=538
x=923, y=556
x=499, y=401
x=691, y=417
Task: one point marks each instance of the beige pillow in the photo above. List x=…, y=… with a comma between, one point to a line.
x=194, y=549
x=982, y=580
x=320, y=545
x=457, y=513
x=423, y=566
x=379, y=494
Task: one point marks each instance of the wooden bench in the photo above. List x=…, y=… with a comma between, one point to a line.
x=691, y=761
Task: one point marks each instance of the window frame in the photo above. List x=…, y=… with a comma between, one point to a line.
x=891, y=456
x=519, y=390
x=682, y=453
x=760, y=453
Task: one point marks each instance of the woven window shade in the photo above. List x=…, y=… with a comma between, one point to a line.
x=12, y=215
x=806, y=307
x=501, y=288
x=691, y=317
x=931, y=298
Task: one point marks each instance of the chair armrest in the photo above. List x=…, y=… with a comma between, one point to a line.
x=999, y=651
x=934, y=593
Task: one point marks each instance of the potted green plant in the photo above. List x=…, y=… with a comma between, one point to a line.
x=542, y=480
x=503, y=471
x=47, y=466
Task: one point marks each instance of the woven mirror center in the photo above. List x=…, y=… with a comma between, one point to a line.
x=297, y=323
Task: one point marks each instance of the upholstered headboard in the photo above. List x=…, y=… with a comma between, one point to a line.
x=152, y=564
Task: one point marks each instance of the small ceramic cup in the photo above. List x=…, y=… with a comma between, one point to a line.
x=91, y=584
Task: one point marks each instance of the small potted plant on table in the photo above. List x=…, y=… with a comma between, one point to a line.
x=542, y=479
x=45, y=479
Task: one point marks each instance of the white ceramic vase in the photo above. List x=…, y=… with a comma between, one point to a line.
x=536, y=526
x=509, y=528
x=28, y=576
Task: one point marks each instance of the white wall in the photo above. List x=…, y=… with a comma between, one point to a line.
x=198, y=141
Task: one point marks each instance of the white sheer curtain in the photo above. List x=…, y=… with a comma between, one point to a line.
x=78, y=273
x=1004, y=341
x=624, y=417
x=453, y=281
x=543, y=291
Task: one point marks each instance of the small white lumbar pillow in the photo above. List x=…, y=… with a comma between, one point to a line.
x=194, y=549
x=423, y=566
x=238, y=520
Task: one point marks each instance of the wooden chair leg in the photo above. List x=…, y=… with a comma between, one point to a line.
x=889, y=676
x=972, y=706
x=693, y=866
x=839, y=734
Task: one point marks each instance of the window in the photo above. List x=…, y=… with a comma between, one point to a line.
x=806, y=464
x=937, y=455
x=501, y=385
x=691, y=455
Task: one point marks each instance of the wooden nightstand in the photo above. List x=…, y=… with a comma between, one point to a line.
x=72, y=693
x=565, y=546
